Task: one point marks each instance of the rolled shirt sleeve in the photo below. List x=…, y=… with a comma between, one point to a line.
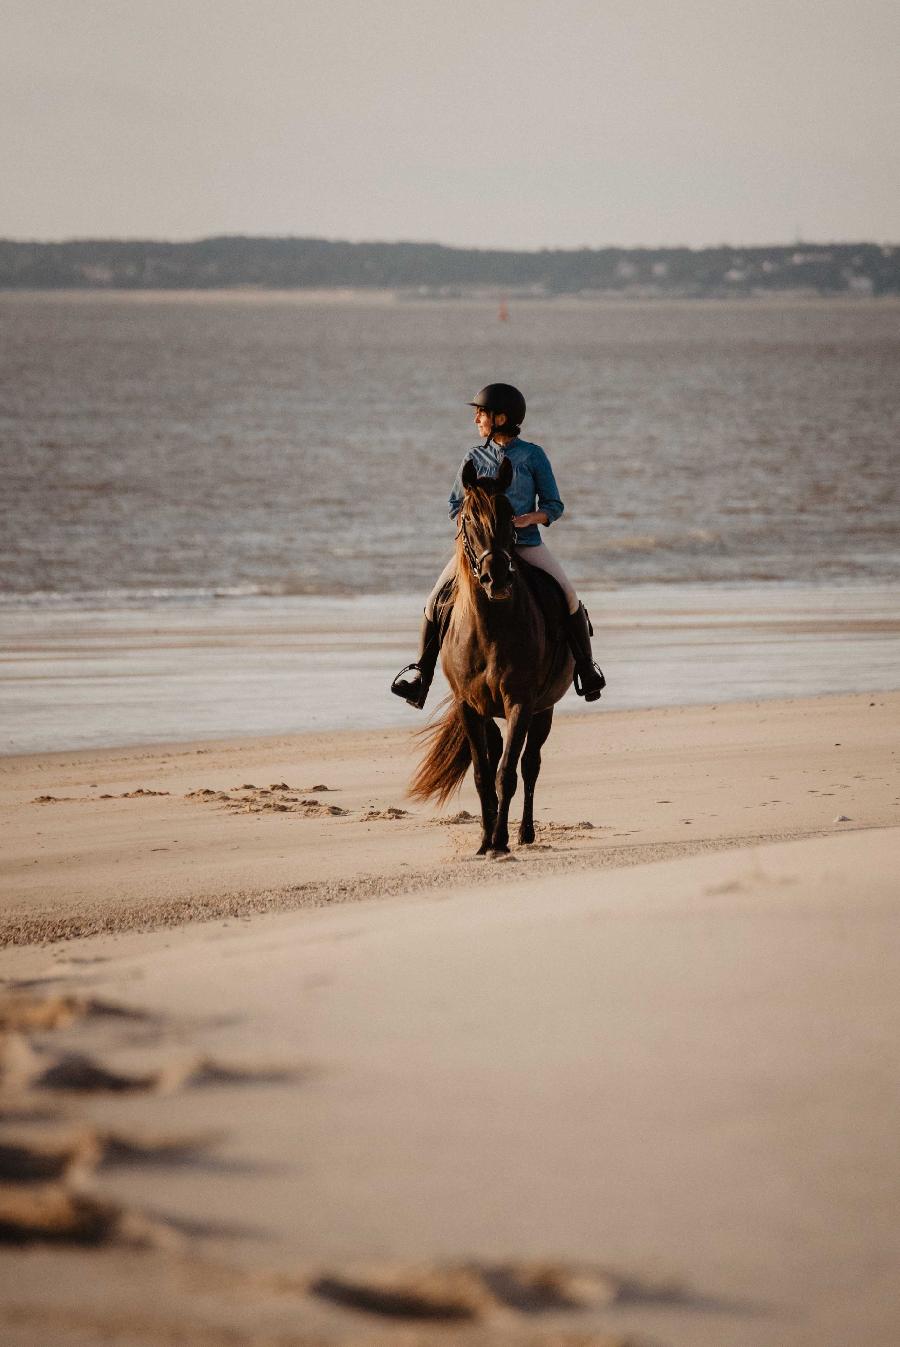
x=457, y=492
x=545, y=484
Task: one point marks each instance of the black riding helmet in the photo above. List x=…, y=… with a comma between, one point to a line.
x=502, y=398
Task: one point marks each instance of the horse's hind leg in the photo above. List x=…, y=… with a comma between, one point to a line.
x=531, y=766
x=483, y=768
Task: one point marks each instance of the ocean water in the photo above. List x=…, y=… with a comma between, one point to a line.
x=282, y=444
x=221, y=512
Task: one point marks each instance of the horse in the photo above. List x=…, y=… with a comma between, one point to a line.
x=502, y=658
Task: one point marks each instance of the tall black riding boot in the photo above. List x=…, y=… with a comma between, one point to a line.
x=415, y=689
x=589, y=681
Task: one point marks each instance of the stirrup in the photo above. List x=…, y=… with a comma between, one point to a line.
x=419, y=701
x=593, y=694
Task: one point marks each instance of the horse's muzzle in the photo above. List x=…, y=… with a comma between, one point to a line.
x=497, y=591
x=496, y=575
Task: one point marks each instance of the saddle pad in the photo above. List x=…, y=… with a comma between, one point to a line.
x=547, y=592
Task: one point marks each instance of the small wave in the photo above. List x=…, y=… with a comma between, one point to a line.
x=659, y=571
x=652, y=542
x=631, y=542
x=130, y=596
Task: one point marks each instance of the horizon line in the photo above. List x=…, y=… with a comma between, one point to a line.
x=449, y=247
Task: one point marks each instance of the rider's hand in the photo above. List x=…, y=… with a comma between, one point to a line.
x=522, y=521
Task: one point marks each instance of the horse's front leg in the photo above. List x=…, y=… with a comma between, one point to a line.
x=531, y=766
x=483, y=772
x=518, y=720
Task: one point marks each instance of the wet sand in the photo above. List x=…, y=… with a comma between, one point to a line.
x=636, y=1085
x=97, y=674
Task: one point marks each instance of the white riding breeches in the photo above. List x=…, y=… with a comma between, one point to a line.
x=543, y=558
x=539, y=556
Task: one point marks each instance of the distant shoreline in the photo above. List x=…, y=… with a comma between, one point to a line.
x=338, y=295
x=858, y=269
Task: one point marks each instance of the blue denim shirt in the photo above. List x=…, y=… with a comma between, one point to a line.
x=533, y=486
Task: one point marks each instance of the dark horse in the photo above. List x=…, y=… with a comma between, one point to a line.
x=502, y=658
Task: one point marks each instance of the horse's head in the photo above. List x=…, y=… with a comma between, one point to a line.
x=486, y=533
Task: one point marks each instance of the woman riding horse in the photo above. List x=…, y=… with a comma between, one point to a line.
x=534, y=497
x=505, y=656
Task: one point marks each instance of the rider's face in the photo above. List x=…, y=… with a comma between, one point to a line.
x=486, y=423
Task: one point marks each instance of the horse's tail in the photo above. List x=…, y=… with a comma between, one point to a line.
x=445, y=764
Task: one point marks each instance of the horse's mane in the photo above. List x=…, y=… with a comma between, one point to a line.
x=480, y=510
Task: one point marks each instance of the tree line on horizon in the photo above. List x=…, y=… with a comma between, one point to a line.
x=435, y=269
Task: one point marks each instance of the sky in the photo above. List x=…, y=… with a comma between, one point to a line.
x=482, y=123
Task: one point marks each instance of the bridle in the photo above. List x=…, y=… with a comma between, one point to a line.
x=476, y=560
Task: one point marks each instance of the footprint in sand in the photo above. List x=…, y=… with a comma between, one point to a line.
x=80, y=799
x=462, y=817
x=23, y=1012
x=47, y=1155
x=478, y=1291
x=547, y=828
x=79, y=1073
x=279, y=798
x=32, y=1154
x=31, y=1157
x=24, y=1068
x=551, y=830
x=55, y=1214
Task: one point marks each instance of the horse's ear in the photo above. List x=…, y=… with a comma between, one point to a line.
x=469, y=474
x=505, y=475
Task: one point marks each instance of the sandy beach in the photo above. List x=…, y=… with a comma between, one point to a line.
x=130, y=838
x=284, y=1064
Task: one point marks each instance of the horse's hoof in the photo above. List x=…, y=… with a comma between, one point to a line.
x=526, y=838
x=484, y=849
x=499, y=853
